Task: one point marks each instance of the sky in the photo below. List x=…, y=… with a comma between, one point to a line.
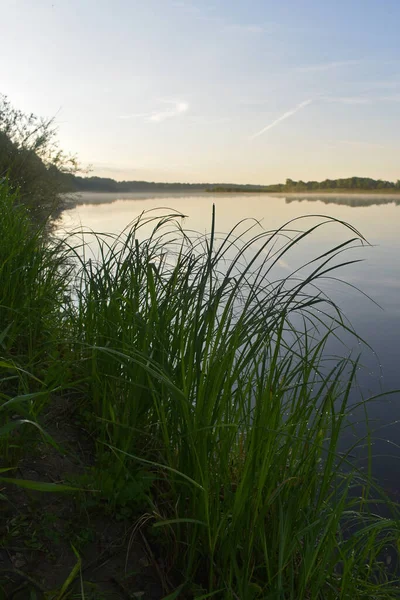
x=245, y=91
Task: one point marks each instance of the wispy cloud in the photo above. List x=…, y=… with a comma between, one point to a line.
x=133, y=116
x=283, y=117
x=328, y=66
x=176, y=109
x=347, y=99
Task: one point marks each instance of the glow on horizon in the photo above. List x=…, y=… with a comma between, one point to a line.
x=186, y=90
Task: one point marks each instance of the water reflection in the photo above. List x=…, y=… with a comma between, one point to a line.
x=354, y=200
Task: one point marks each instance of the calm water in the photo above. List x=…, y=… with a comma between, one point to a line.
x=376, y=217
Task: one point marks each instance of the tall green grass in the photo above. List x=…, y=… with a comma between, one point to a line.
x=35, y=272
x=34, y=277
x=203, y=373
x=210, y=372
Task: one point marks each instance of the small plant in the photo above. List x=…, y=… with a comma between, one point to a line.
x=121, y=494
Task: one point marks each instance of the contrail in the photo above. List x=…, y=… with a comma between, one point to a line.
x=286, y=115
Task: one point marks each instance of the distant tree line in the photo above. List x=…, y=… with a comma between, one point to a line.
x=256, y=189
x=350, y=183
x=74, y=183
x=364, y=184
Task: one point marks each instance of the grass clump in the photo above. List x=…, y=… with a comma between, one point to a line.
x=203, y=375
x=34, y=275
x=203, y=367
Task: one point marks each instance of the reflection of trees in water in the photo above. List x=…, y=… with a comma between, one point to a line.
x=345, y=200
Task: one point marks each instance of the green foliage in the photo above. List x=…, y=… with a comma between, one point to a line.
x=352, y=184
x=203, y=366
x=75, y=183
x=32, y=161
x=34, y=276
x=121, y=494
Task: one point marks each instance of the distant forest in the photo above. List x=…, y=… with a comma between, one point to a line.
x=73, y=183
x=351, y=184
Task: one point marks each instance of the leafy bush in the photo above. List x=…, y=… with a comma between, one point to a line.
x=32, y=161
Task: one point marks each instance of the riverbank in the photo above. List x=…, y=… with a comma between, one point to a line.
x=190, y=413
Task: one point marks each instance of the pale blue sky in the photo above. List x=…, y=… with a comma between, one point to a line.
x=219, y=90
